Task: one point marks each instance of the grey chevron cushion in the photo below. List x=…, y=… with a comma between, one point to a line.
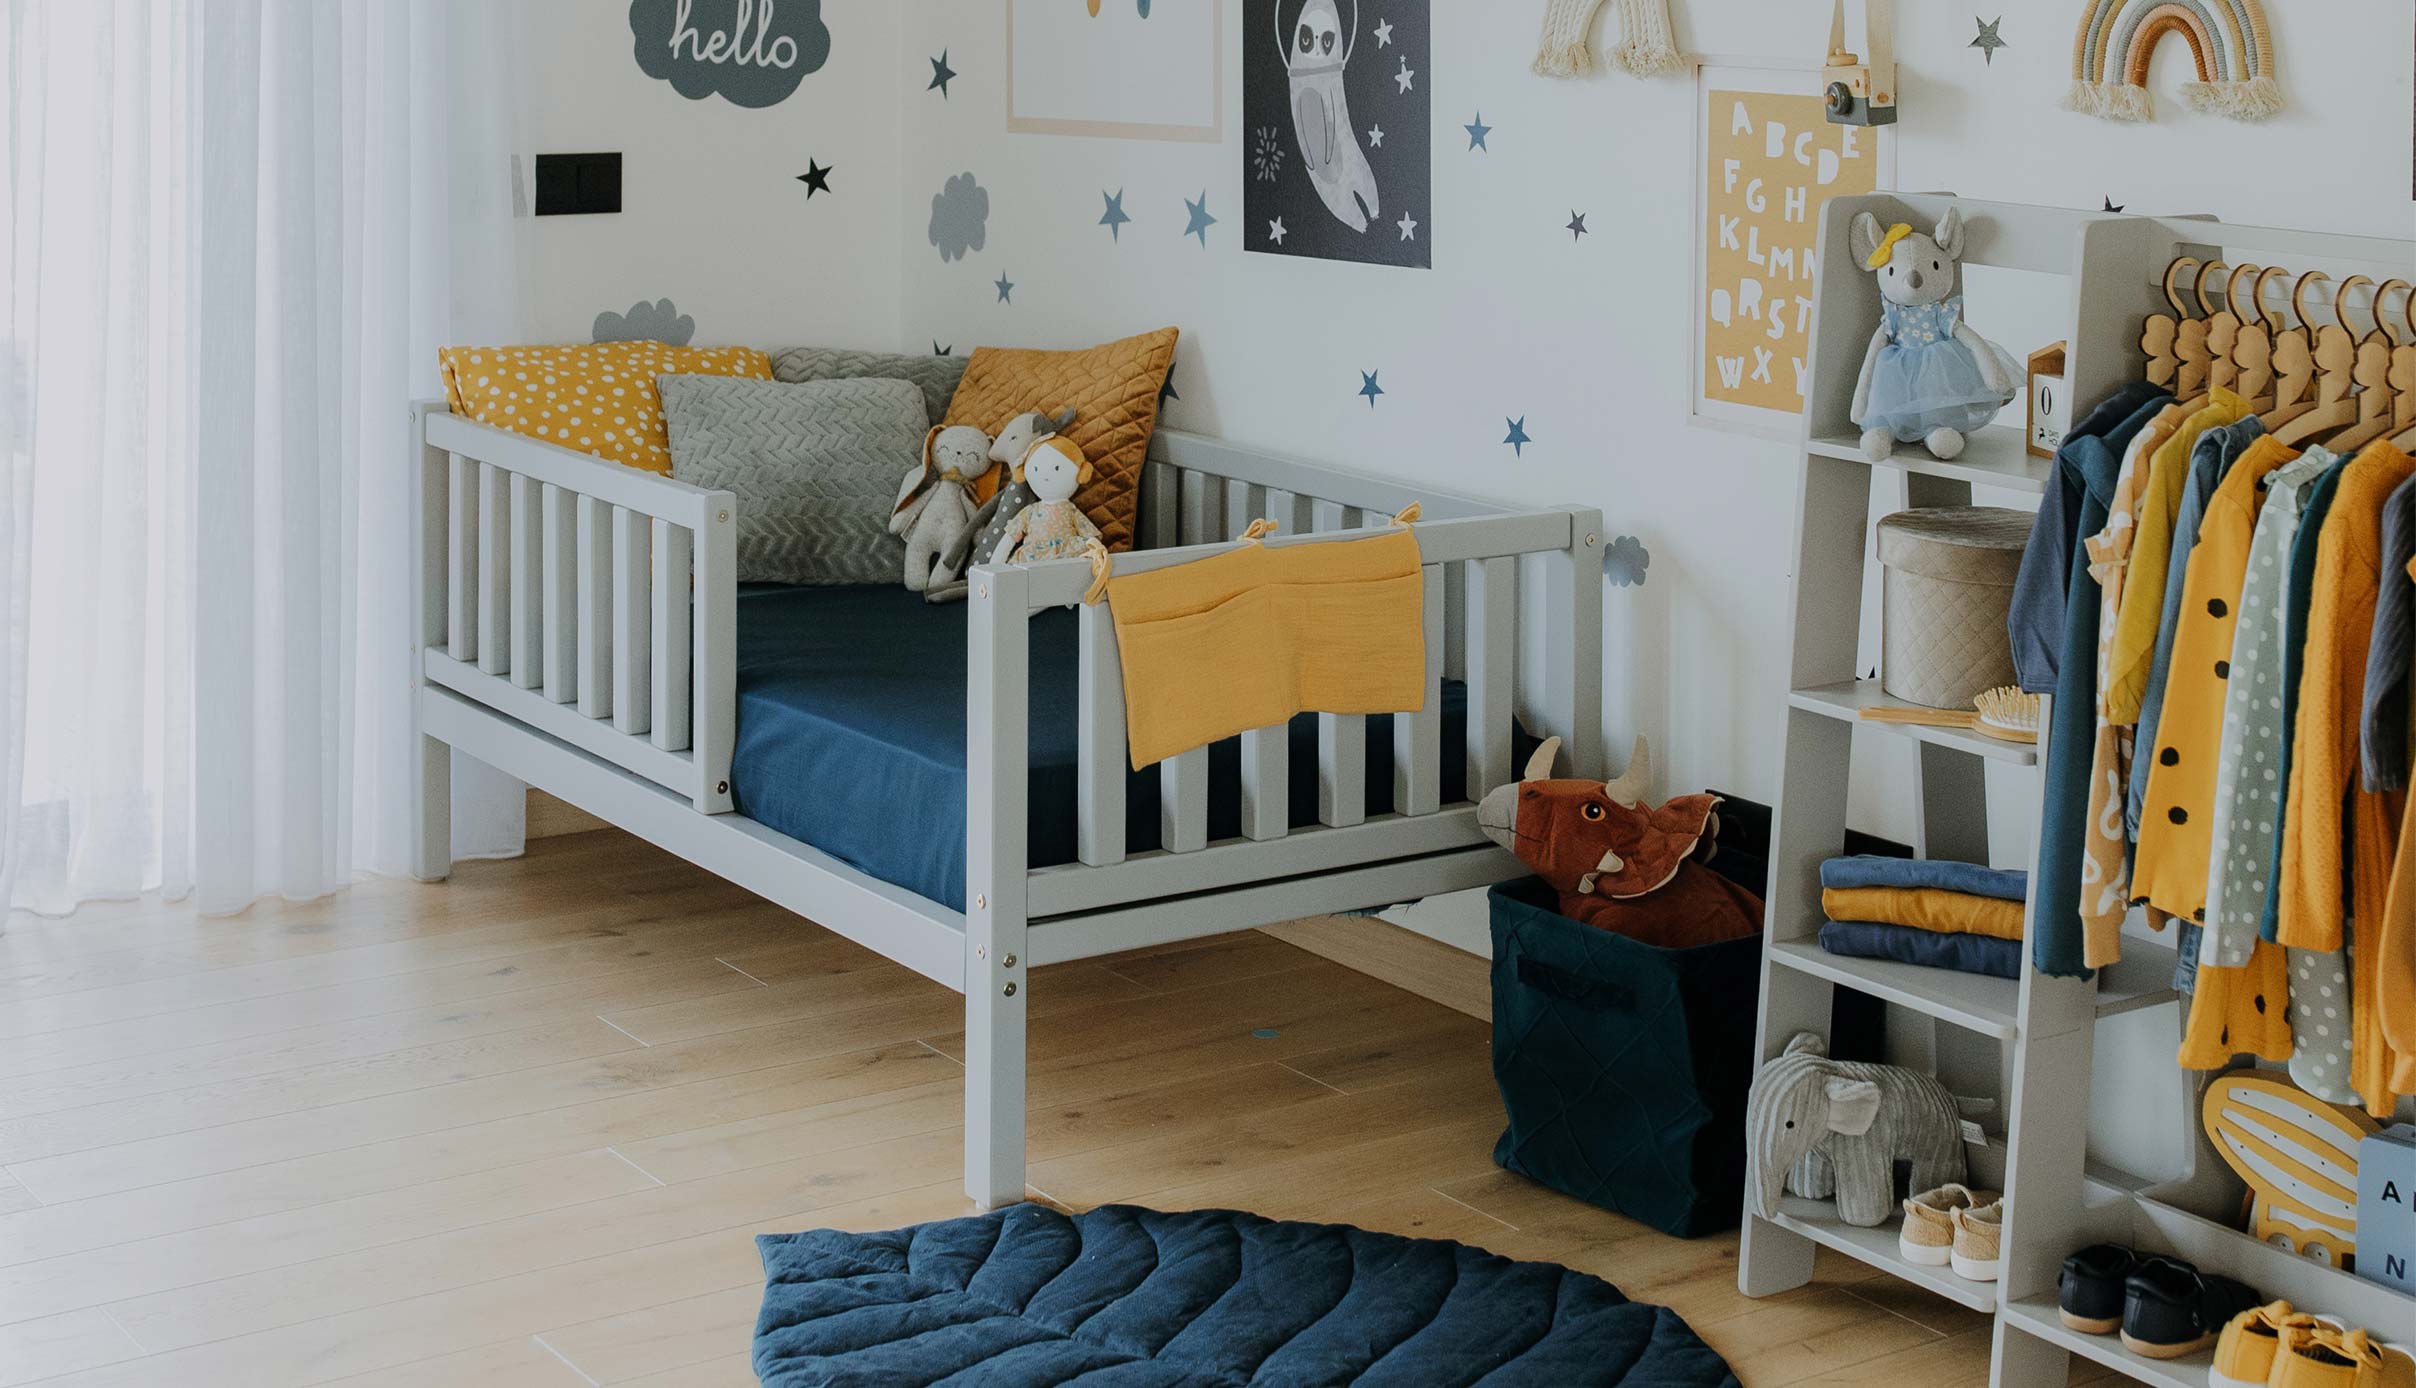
x=815, y=466
x=936, y=376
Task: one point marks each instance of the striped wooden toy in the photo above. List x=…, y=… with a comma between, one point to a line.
x=2298, y=1154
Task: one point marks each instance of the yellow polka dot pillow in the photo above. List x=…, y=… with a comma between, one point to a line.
x=597, y=398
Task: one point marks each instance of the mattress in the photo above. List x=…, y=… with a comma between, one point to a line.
x=851, y=737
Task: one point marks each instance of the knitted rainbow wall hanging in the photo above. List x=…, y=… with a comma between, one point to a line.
x=2228, y=40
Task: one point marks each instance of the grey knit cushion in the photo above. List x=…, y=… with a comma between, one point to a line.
x=936, y=376
x=816, y=468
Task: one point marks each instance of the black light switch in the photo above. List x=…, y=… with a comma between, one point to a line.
x=578, y=183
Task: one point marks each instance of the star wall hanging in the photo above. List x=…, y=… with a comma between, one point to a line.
x=1577, y=226
x=1114, y=217
x=941, y=74
x=1200, y=221
x=1477, y=131
x=1005, y=288
x=1518, y=439
x=1989, y=41
x=1369, y=388
x=816, y=178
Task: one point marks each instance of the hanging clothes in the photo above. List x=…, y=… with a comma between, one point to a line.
x=2330, y=817
x=2088, y=464
x=2105, y=887
x=2395, y=952
x=2382, y=741
x=2034, y=619
x=2298, y=592
x=2152, y=554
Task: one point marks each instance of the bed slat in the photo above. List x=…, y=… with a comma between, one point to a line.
x=1203, y=508
x=714, y=714
x=1291, y=511
x=1183, y=801
x=632, y=622
x=560, y=524
x=1161, y=503
x=1418, y=735
x=528, y=668
x=1243, y=504
x=671, y=636
x=1341, y=769
x=1492, y=657
x=595, y=608
x=1325, y=517
x=494, y=569
x=461, y=558
x=1102, y=745
x=1267, y=782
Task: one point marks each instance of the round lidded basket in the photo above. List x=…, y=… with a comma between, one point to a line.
x=1948, y=587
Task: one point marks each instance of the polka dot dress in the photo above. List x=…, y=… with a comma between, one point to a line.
x=598, y=398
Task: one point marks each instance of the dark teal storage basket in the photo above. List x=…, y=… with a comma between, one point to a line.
x=1623, y=1067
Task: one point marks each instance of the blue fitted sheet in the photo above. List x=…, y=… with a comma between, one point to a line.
x=851, y=737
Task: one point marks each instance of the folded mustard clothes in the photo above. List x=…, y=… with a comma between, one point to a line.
x=1942, y=912
x=1248, y=638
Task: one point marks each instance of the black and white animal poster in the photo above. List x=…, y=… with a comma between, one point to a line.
x=1337, y=142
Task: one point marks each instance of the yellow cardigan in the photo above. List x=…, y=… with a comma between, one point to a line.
x=2151, y=557
x=1248, y=638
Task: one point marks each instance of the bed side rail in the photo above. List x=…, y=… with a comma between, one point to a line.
x=594, y=602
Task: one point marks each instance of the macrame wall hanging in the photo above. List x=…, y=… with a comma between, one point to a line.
x=1647, y=47
x=2228, y=40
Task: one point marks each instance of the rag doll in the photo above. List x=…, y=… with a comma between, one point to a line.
x=1619, y=864
x=980, y=544
x=1052, y=527
x=1927, y=378
x=935, y=501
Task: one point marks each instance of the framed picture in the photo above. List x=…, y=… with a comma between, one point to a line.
x=1768, y=160
x=1337, y=139
x=1123, y=69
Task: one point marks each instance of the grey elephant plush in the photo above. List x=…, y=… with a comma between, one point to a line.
x=979, y=544
x=1927, y=377
x=1834, y=1127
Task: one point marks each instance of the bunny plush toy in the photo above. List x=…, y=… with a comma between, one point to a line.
x=1927, y=378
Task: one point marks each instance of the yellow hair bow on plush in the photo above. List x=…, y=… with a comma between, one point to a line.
x=1887, y=246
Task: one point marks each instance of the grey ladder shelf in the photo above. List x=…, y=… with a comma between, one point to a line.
x=2042, y=1028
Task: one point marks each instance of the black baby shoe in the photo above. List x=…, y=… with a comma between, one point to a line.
x=2170, y=1309
x=2089, y=1293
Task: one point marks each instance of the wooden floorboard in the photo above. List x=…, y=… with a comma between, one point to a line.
x=520, y=1129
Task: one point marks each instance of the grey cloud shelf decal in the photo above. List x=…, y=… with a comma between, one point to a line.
x=660, y=321
x=960, y=217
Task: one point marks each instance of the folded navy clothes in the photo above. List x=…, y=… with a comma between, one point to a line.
x=1871, y=870
x=1965, y=954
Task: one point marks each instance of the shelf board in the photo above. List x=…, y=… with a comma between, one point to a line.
x=2039, y=1318
x=1817, y=1220
x=2143, y=977
x=1975, y=1002
x=1997, y=456
x=1847, y=701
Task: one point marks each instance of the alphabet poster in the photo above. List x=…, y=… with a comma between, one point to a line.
x=1336, y=136
x=1771, y=160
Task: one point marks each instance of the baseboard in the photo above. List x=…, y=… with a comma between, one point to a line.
x=548, y=817
x=1403, y=958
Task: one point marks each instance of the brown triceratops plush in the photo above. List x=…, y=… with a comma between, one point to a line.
x=1618, y=863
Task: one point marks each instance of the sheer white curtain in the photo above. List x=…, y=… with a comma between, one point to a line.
x=235, y=233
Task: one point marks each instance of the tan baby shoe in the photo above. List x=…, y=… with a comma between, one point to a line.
x=1979, y=1229
x=1928, y=1236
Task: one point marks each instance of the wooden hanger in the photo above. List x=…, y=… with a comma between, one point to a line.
x=2375, y=398
x=2162, y=330
x=2294, y=360
x=2255, y=352
x=2403, y=376
x=2189, y=344
x=2223, y=333
x=2336, y=354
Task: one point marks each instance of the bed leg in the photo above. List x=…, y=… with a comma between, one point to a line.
x=997, y=959
x=994, y=1081
x=432, y=810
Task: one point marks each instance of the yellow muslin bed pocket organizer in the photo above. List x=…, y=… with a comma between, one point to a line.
x=1249, y=638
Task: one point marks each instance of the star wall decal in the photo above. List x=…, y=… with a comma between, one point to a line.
x=1200, y=220
x=1577, y=226
x=1375, y=137
x=816, y=178
x=1409, y=227
x=2113, y=206
x=1989, y=42
x=1005, y=288
x=941, y=74
x=1166, y=390
x=1407, y=77
x=938, y=351
x=1518, y=439
x=1276, y=231
x=1115, y=216
x=1477, y=131
x=1369, y=388
x=1384, y=33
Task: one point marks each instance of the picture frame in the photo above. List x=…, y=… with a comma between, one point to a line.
x=1712, y=402
x=1076, y=70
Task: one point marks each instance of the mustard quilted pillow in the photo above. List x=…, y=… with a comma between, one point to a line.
x=597, y=397
x=1114, y=391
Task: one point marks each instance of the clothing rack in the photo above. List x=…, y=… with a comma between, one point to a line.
x=2058, y=1197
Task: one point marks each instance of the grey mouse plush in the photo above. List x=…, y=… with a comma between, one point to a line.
x=1927, y=377
x=979, y=544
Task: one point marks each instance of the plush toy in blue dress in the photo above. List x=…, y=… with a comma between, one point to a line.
x=1927, y=378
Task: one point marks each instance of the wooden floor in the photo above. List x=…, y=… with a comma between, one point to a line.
x=519, y=1128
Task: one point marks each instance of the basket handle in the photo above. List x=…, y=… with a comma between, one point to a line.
x=1553, y=981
